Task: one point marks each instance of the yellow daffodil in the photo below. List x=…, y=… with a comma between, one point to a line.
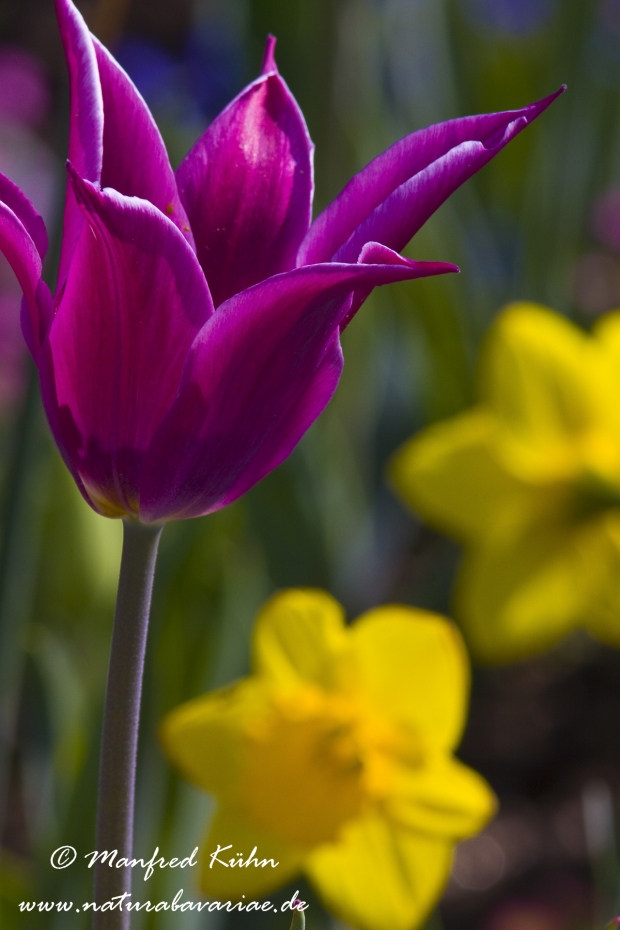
x=334, y=759
x=529, y=482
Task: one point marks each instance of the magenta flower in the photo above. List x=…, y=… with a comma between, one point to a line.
x=194, y=335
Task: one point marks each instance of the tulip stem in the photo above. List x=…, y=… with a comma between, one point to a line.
x=117, y=768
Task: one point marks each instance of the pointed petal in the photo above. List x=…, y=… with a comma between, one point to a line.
x=247, y=187
x=86, y=122
x=444, y=798
x=300, y=636
x=135, y=160
x=414, y=670
x=16, y=200
x=380, y=876
x=395, y=194
x=134, y=300
x=258, y=375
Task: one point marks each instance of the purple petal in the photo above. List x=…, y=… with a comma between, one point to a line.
x=16, y=200
x=86, y=122
x=247, y=187
x=134, y=301
x=36, y=318
x=258, y=375
x=135, y=161
x=374, y=253
x=390, y=199
x=22, y=254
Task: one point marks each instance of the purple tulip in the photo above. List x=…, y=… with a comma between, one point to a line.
x=194, y=334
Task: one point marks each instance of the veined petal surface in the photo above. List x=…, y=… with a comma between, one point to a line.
x=395, y=194
x=258, y=375
x=134, y=300
x=135, y=160
x=86, y=119
x=247, y=187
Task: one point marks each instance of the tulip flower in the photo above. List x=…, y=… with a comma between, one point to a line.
x=194, y=334
x=529, y=482
x=334, y=758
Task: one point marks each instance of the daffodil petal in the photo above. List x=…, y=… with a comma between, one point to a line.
x=300, y=636
x=413, y=669
x=519, y=599
x=204, y=737
x=443, y=799
x=380, y=876
x=539, y=377
x=237, y=838
x=450, y=475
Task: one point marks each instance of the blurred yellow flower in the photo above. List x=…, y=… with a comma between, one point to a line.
x=334, y=759
x=529, y=482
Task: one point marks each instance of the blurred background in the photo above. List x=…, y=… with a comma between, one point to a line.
x=541, y=222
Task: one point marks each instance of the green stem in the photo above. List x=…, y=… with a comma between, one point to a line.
x=117, y=770
x=299, y=921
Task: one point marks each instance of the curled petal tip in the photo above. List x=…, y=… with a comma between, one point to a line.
x=374, y=253
x=269, y=60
